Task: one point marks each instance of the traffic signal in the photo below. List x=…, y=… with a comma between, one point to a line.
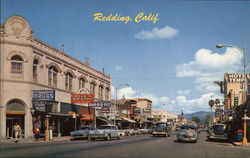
x=236, y=101
x=48, y=107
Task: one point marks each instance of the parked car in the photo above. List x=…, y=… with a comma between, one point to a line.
x=143, y=130
x=107, y=132
x=150, y=130
x=187, y=133
x=82, y=133
x=128, y=131
x=137, y=131
x=162, y=130
x=218, y=132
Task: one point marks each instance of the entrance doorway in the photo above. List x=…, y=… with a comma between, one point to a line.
x=10, y=122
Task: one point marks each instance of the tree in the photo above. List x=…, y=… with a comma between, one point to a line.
x=196, y=119
x=208, y=119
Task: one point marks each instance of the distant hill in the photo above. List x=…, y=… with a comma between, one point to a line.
x=201, y=114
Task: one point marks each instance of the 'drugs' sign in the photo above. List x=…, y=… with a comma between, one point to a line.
x=43, y=95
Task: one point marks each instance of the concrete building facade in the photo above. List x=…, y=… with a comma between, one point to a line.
x=28, y=64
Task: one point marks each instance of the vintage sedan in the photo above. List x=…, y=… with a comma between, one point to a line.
x=106, y=132
x=82, y=133
x=218, y=132
x=187, y=133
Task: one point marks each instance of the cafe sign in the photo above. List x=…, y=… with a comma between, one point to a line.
x=82, y=98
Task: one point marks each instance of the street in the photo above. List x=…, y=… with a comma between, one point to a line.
x=131, y=146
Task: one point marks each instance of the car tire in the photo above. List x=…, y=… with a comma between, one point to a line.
x=119, y=137
x=108, y=137
x=92, y=139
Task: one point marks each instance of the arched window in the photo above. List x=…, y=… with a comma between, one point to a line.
x=107, y=94
x=92, y=88
x=35, y=70
x=82, y=82
x=100, y=92
x=17, y=65
x=68, y=81
x=52, y=76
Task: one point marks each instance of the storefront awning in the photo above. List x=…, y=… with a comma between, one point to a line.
x=128, y=120
x=104, y=119
x=58, y=114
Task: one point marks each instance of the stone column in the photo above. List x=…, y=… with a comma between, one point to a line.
x=2, y=122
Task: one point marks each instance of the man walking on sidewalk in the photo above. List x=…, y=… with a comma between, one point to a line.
x=16, y=129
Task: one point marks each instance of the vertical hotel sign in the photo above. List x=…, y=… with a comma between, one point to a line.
x=82, y=98
x=248, y=87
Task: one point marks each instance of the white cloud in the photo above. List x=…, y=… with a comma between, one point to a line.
x=175, y=105
x=207, y=64
x=156, y=33
x=118, y=68
x=183, y=92
x=208, y=87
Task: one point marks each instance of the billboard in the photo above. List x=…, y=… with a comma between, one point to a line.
x=82, y=98
x=43, y=95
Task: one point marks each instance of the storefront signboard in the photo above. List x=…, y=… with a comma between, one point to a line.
x=82, y=98
x=43, y=95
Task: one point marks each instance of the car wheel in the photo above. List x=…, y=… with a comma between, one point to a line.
x=119, y=137
x=108, y=137
x=92, y=139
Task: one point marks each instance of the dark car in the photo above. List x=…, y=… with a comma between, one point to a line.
x=218, y=132
x=161, y=130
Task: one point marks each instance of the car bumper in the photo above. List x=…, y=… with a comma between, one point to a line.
x=217, y=137
x=186, y=139
x=159, y=133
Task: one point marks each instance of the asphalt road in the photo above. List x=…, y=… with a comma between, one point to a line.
x=133, y=146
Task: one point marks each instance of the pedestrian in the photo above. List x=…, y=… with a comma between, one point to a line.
x=17, y=130
x=37, y=133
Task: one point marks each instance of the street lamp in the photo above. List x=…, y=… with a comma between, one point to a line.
x=123, y=84
x=244, y=141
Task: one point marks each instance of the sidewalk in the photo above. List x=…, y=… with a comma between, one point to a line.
x=240, y=144
x=31, y=140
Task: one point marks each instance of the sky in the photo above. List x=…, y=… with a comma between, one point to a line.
x=172, y=61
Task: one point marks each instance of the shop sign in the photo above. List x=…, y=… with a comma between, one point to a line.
x=228, y=111
x=100, y=104
x=105, y=110
x=43, y=95
x=82, y=98
x=248, y=92
x=39, y=106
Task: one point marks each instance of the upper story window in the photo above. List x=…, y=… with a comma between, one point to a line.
x=92, y=88
x=82, y=82
x=100, y=92
x=35, y=70
x=106, y=94
x=68, y=81
x=17, y=64
x=52, y=76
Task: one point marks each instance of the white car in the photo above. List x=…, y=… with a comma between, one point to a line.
x=83, y=132
x=106, y=132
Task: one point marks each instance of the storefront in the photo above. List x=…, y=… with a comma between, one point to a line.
x=15, y=113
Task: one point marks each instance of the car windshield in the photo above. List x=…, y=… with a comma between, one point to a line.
x=188, y=127
x=218, y=127
x=84, y=128
x=160, y=128
x=104, y=127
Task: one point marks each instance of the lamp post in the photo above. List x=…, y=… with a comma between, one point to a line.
x=244, y=141
x=123, y=84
